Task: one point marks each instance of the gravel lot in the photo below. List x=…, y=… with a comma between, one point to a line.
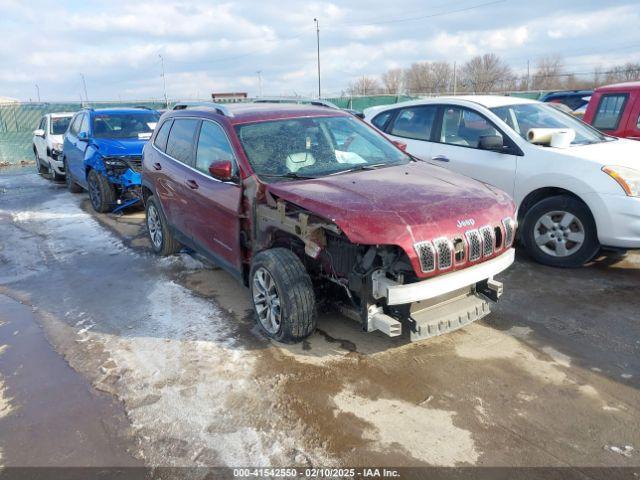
x=157, y=362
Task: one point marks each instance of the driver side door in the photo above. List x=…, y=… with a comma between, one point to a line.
x=456, y=147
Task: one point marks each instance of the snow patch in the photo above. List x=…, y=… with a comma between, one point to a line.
x=426, y=434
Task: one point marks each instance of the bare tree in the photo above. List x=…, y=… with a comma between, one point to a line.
x=549, y=73
x=417, y=78
x=364, y=86
x=392, y=81
x=485, y=73
x=442, y=77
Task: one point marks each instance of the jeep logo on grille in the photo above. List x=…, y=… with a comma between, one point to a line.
x=469, y=222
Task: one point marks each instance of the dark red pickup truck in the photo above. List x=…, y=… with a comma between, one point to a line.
x=305, y=202
x=615, y=110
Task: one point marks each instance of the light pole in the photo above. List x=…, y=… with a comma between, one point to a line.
x=84, y=85
x=318, y=44
x=164, y=82
x=38, y=90
x=259, y=72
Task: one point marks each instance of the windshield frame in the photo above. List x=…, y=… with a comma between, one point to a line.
x=580, y=124
x=371, y=164
x=146, y=113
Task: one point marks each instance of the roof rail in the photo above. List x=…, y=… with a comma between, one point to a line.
x=221, y=109
x=298, y=100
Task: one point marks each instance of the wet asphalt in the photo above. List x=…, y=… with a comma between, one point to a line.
x=551, y=376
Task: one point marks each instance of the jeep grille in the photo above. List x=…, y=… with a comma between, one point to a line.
x=487, y=240
x=444, y=249
x=509, y=230
x=427, y=255
x=475, y=245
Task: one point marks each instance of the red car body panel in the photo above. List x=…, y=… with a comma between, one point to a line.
x=629, y=122
x=400, y=205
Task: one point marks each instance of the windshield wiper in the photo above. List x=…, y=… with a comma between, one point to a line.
x=287, y=175
x=363, y=167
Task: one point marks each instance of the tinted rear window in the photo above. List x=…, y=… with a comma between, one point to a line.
x=59, y=125
x=414, y=122
x=609, y=111
x=180, y=141
x=163, y=134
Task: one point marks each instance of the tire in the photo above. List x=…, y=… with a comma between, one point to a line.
x=39, y=167
x=101, y=192
x=279, y=275
x=162, y=241
x=57, y=177
x=560, y=231
x=72, y=186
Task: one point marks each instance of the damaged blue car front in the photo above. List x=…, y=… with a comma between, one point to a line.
x=103, y=154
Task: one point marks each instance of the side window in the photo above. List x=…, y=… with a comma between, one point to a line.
x=414, y=122
x=609, y=111
x=43, y=124
x=75, y=126
x=464, y=127
x=163, y=134
x=213, y=145
x=380, y=120
x=180, y=141
x=84, y=126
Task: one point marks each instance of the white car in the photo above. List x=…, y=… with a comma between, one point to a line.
x=577, y=189
x=47, y=143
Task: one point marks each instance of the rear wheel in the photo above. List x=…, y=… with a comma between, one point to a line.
x=560, y=231
x=283, y=296
x=72, y=186
x=162, y=241
x=101, y=192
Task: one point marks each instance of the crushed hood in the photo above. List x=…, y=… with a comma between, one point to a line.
x=398, y=205
x=114, y=147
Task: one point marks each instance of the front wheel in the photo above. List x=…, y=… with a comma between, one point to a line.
x=283, y=296
x=560, y=231
x=39, y=167
x=101, y=192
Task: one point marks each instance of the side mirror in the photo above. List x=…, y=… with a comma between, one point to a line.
x=221, y=169
x=83, y=136
x=39, y=133
x=491, y=142
x=402, y=146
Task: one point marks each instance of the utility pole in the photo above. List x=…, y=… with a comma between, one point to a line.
x=259, y=72
x=84, y=85
x=164, y=82
x=455, y=78
x=38, y=90
x=318, y=43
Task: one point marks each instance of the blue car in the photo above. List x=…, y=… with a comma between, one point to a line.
x=103, y=154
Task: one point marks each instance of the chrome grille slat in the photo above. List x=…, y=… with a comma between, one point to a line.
x=426, y=255
x=487, y=240
x=509, y=230
x=475, y=245
x=444, y=250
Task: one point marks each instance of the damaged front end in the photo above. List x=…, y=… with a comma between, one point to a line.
x=124, y=173
x=377, y=285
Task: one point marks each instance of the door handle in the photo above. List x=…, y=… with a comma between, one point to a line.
x=192, y=184
x=157, y=166
x=440, y=158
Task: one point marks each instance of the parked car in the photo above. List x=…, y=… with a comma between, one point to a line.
x=574, y=99
x=615, y=110
x=103, y=154
x=297, y=201
x=577, y=190
x=47, y=143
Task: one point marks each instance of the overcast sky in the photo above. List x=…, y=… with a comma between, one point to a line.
x=219, y=46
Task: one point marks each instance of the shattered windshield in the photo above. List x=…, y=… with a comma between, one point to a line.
x=315, y=147
x=124, y=125
x=525, y=116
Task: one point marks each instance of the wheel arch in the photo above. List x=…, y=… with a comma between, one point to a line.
x=538, y=194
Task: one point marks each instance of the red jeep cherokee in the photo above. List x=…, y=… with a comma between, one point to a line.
x=300, y=202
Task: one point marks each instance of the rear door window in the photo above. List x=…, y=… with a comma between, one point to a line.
x=163, y=134
x=414, y=122
x=380, y=120
x=84, y=126
x=75, y=126
x=609, y=111
x=213, y=146
x=180, y=141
